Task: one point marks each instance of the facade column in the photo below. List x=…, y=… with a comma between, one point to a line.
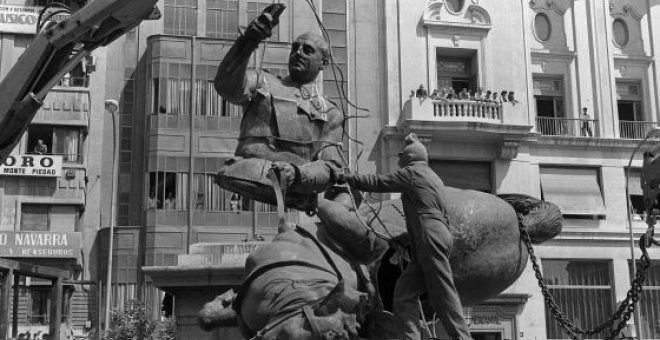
x=583, y=58
x=654, y=50
x=604, y=89
x=56, y=308
x=6, y=279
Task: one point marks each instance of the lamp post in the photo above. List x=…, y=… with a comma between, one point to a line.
x=112, y=106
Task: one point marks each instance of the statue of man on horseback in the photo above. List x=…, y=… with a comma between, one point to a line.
x=312, y=281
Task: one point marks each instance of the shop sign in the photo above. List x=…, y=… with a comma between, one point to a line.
x=39, y=244
x=21, y=19
x=32, y=165
x=485, y=320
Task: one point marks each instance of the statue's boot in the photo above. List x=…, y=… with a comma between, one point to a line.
x=249, y=178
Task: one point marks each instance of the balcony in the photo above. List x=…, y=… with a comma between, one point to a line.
x=65, y=106
x=635, y=130
x=467, y=110
x=503, y=124
x=569, y=127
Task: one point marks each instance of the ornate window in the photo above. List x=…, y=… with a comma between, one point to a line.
x=621, y=34
x=649, y=302
x=542, y=27
x=572, y=282
x=455, y=6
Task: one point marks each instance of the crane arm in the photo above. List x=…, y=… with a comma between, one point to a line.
x=54, y=52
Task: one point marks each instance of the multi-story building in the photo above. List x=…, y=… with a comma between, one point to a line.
x=176, y=132
x=50, y=185
x=558, y=57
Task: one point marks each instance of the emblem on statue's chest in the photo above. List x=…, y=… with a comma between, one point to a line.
x=308, y=100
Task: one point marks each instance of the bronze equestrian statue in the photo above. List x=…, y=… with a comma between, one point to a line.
x=314, y=281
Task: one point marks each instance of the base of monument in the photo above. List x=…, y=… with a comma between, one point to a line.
x=198, y=278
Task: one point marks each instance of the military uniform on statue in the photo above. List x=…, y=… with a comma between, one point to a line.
x=285, y=119
x=288, y=126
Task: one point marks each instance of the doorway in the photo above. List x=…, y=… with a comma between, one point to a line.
x=456, y=69
x=628, y=110
x=486, y=335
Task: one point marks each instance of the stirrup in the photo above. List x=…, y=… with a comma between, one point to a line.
x=279, y=184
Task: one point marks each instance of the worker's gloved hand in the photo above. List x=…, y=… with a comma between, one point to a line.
x=343, y=178
x=288, y=171
x=262, y=27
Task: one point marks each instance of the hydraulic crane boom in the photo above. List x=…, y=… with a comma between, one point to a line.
x=55, y=51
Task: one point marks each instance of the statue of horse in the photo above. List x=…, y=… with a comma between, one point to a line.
x=313, y=282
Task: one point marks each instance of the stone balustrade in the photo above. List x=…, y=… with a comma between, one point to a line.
x=467, y=110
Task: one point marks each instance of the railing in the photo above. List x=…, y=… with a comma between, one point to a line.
x=551, y=126
x=160, y=217
x=635, y=130
x=74, y=82
x=467, y=109
x=66, y=157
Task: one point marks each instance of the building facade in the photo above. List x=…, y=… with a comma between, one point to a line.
x=549, y=59
x=559, y=58
x=50, y=185
x=176, y=133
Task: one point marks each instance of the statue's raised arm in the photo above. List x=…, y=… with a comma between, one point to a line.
x=233, y=81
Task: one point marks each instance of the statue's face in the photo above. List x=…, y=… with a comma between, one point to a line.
x=305, y=60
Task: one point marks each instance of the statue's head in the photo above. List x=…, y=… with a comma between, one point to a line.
x=309, y=55
x=413, y=151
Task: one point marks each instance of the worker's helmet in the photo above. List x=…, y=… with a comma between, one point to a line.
x=413, y=151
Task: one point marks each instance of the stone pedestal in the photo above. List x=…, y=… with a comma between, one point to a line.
x=209, y=270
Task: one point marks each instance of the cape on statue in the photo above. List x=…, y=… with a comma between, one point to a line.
x=313, y=282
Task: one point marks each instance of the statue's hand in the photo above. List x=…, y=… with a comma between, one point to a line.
x=262, y=27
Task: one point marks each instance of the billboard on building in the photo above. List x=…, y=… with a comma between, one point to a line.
x=32, y=165
x=21, y=19
x=39, y=244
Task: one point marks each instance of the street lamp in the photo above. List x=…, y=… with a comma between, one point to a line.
x=112, y=106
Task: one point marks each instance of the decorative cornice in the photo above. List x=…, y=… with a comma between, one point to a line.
x=474, y=17
x=547, y=5
x=638, y=60
x=509, y=149
x=566, y=56
x=582, y=143
x=626, y=10
x=553, y=6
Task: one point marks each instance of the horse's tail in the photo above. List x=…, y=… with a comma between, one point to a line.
x=542, y=219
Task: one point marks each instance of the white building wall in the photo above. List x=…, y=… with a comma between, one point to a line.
x=509, y=56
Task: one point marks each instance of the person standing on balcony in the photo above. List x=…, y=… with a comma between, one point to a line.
x=586, y=123
x=40, y=148
x=170, y=202
x=153, y=202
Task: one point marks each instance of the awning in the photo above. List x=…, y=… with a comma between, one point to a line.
x=464, y=174
x=575, y=190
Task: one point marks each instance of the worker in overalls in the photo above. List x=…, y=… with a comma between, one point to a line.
x=431, y=241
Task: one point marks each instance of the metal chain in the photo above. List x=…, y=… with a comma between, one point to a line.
x=622, y=315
